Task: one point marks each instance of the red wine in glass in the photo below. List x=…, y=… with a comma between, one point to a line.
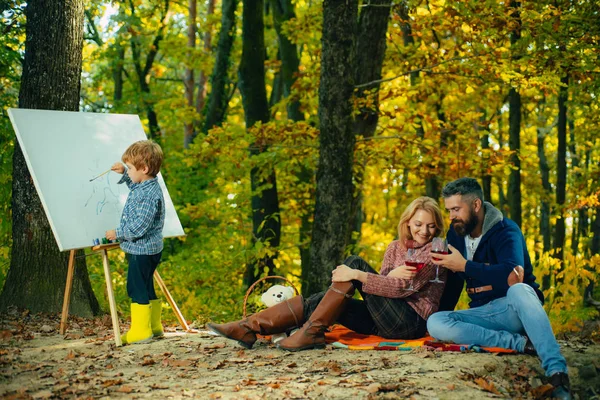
x=416, y=264
x=438, y=246
x=438, y=252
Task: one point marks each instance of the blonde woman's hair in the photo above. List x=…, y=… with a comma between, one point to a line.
x=144, y=153
x=421, y=203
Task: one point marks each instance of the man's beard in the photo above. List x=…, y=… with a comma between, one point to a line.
x=466, y=227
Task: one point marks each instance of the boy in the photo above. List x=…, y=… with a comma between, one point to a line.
x=140, y=234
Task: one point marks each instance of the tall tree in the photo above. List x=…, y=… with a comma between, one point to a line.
x=144, y=67
x=220, y=83
x=283, y=10
x=188, y=80
x=207, y=44
x=370, y=51
x=50, y=80
x=336, y=140
x=561, y=169
x=266, y=222
x=514, y=129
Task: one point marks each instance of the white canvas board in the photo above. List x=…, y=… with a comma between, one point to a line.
x=63, y=151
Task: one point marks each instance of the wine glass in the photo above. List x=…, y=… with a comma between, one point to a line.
x=411, y=261
x=438, y=246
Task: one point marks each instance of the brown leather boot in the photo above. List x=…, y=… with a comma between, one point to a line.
x=275, y=319
x=312, y=333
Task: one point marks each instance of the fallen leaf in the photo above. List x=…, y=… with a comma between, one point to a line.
x=125, y=389
x=42, y=394
x=111, y=382
x=487, y=386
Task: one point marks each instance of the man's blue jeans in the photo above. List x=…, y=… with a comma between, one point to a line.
x=502, y=323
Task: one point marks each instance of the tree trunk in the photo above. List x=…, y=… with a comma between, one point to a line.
x=334, y=174
x=283, y=10
x=51, y=72
x=202, y=79
x=118, y=70
x=514, y=180
x=514, y=140
x=143, y=72
x=370, y=51
x=486, y=177
x=561, y=170
x=542, y=131
x=579, y=228
x=432, y=186
x=266, y=223
x=500, y=185
x=594, y=249
x=220, y=83
x=188, y=80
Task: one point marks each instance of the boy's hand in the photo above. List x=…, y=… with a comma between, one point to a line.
x=111, y=235
x=118, y=168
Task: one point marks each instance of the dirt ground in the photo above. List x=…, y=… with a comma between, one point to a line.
x=37, y=362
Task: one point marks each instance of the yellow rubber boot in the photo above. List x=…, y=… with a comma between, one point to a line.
x=140, y=331
x=155, y=322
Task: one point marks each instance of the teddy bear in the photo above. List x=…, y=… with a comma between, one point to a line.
x=277, y=294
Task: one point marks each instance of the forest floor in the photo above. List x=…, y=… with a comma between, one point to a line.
x=36, y=362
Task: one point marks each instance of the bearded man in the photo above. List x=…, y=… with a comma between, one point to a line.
x=489, y=252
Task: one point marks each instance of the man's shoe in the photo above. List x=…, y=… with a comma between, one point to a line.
x=529, y=349
x=562, y=387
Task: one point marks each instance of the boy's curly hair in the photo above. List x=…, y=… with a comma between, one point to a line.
x=144, y=153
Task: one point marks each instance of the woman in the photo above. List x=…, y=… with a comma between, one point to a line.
x=390, y=308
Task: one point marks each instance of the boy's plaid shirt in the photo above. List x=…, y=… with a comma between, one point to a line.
x=143, y=218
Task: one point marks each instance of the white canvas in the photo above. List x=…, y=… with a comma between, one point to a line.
x=63, y=151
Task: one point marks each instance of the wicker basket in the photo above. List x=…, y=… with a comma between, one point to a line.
x=251, y=288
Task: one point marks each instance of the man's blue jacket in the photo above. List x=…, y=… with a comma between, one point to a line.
x=502, y=247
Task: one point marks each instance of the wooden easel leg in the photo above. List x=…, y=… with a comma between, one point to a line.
x=111, y=299
x=164, y=289
x=67, y=298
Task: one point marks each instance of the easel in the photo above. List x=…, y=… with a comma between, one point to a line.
x=103, y=249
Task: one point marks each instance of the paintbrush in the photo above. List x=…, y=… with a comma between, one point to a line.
x=104, y=173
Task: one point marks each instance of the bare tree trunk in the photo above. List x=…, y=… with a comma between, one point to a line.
x=500, y=185
x=334, y=174
x=542, y=132
x=283, y=10
x=579, y=228
x=143, y=72
x=561, y=171
x=370, y=51
x=202, y=79
x=118, y=71
x=266, y=223
x=514, y=141
x=51, y=80
x=432, y=186
x=220, y=83
x=486, y=177
x=594, y=249
x=188, y=80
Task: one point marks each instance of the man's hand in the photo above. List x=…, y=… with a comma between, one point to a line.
x=453, y=261
x=404, y=272
x=111, y=235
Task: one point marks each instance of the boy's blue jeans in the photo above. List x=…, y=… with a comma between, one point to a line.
x=140, y=282
x=503, y=323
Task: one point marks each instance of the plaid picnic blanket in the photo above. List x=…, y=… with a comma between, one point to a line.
x=342, y=337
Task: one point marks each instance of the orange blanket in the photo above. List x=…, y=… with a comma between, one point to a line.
x=356, y=341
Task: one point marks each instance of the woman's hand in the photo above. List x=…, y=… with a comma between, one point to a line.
x=118, y=168
x=343, y=273
x=111, y=235
x=404, y=272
